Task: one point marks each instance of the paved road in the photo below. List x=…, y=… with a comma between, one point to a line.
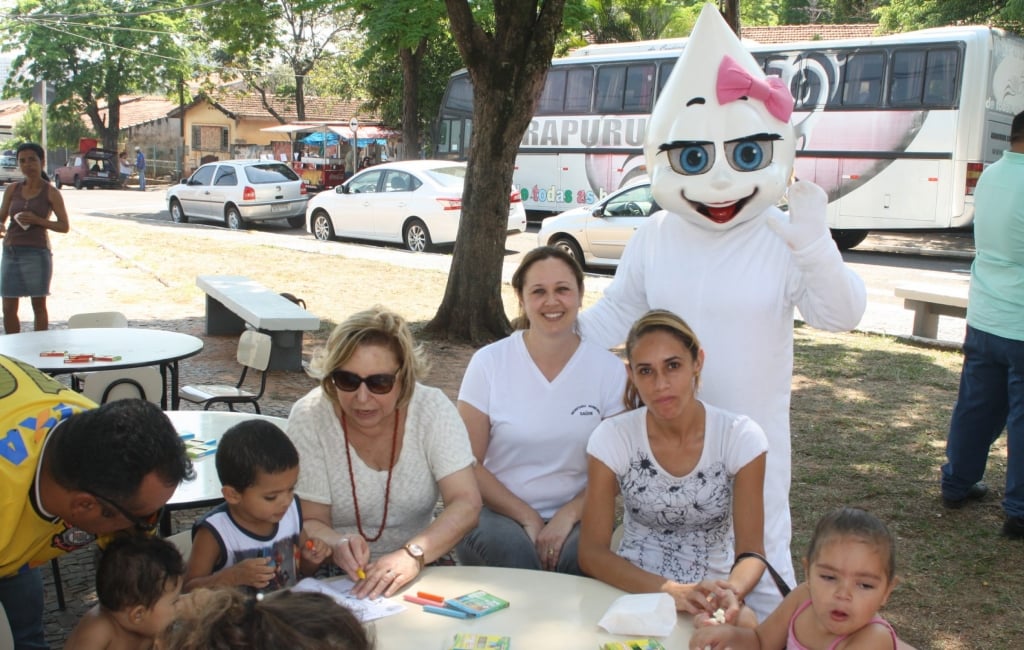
x=883, y=260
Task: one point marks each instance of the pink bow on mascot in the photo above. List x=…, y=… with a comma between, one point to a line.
x=720, y=150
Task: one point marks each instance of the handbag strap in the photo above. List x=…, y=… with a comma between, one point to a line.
x=783, y=588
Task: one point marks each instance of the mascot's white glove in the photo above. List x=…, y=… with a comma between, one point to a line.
x=807, y=222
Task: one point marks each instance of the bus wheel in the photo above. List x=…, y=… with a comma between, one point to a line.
x=847, y=239
x=569, y=246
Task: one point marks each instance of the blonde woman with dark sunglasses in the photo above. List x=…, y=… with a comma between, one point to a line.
x=376, y=449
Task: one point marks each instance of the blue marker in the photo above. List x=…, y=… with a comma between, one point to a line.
x=445, y=611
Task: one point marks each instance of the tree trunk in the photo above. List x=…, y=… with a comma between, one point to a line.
x=508, y=68
x=107, y=133
x=300, y=96
x=411, y=64
x=731, y=11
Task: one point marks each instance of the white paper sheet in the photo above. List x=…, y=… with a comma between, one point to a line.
x=365, y=609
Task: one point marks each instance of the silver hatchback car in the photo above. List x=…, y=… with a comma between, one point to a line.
x=9, y=170
x=236, y=192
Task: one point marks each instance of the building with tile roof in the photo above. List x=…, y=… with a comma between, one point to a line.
x=793, y=33
x=11, y=110
x=220, y=125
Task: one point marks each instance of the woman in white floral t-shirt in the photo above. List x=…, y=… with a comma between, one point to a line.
x=691, y=477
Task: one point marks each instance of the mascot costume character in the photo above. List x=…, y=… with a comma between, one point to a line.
x=719, y=149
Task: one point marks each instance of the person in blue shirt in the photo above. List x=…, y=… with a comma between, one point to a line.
x=992, y=381
x=140, y=166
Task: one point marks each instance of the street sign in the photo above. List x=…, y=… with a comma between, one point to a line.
x=354, y=125
x=39, y=97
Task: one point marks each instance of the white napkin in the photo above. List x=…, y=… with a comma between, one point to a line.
x=640, y=615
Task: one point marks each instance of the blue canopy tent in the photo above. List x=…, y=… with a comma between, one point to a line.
x=317, y=137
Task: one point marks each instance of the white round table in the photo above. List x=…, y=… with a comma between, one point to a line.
x=136, y=346
x=205, y=489
x=547, y=610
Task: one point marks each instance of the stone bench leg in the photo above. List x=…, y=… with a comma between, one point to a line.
x=285, y=351
x=220, y=320
x=926, y=321
x=926, y=316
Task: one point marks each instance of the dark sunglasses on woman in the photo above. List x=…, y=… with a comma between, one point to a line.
x=349, y=382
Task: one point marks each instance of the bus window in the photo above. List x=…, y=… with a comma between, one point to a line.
x=907, y=78
x=663, y=72
x=443, y=129
x=553, y=97
x=940, y=78
x=862, y=79
x=639, y=88
x=611, y=79
x=460, y=95
x=578, y=90
x=455, y=139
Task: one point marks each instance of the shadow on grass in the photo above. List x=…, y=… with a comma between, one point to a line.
x=869, y=420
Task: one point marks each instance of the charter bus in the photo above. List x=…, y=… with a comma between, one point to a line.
x=895, y=128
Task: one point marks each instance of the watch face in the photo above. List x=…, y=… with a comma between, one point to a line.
x=415, y=550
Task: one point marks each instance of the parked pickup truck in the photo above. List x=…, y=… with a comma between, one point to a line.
x=93, y=168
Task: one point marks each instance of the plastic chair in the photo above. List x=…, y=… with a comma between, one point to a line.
x=93, y=319
x=253, y=352
x=183, y=541
x=97, y=319
x=109, y=385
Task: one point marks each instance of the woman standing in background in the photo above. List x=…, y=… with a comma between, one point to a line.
x=27, y=265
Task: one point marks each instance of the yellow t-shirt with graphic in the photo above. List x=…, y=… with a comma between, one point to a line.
x=31, y=404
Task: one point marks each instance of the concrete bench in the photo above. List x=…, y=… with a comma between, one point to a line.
x=928, y=302
x=232, y=301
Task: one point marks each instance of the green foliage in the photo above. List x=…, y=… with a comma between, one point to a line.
x=384, y=83
x=64, y=126
x=30, y=127
x=342, y=74
x=95, y=51
x=244, y=35
x=905, y=15
x=617, y=21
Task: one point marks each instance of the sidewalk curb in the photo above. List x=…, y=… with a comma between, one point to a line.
x=914, y=250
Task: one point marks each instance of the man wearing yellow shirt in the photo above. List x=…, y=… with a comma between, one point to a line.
x=70, y=472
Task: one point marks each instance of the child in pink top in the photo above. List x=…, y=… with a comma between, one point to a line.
x=850, y=568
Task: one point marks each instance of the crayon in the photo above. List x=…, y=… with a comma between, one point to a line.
x=425, y=595
x=360, y=573
x=445, y=611
x=310, y=545
x=420, y=601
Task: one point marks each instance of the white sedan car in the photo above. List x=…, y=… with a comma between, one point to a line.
x=417, y=203
x=597, y=234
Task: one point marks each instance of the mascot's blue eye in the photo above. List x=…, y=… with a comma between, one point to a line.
x=749, y=155
x=692, y=159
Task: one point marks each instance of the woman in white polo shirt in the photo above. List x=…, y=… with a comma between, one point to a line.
x=530, y=402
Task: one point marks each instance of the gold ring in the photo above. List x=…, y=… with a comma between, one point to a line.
x=551, y=551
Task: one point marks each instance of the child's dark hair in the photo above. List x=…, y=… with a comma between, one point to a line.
x=136, y=570
x=295, y=620
x=854, y=522
x=251, y=447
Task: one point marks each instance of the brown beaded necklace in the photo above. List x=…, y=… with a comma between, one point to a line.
x=387, y=488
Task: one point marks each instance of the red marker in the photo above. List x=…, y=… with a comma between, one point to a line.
x=426, y=596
